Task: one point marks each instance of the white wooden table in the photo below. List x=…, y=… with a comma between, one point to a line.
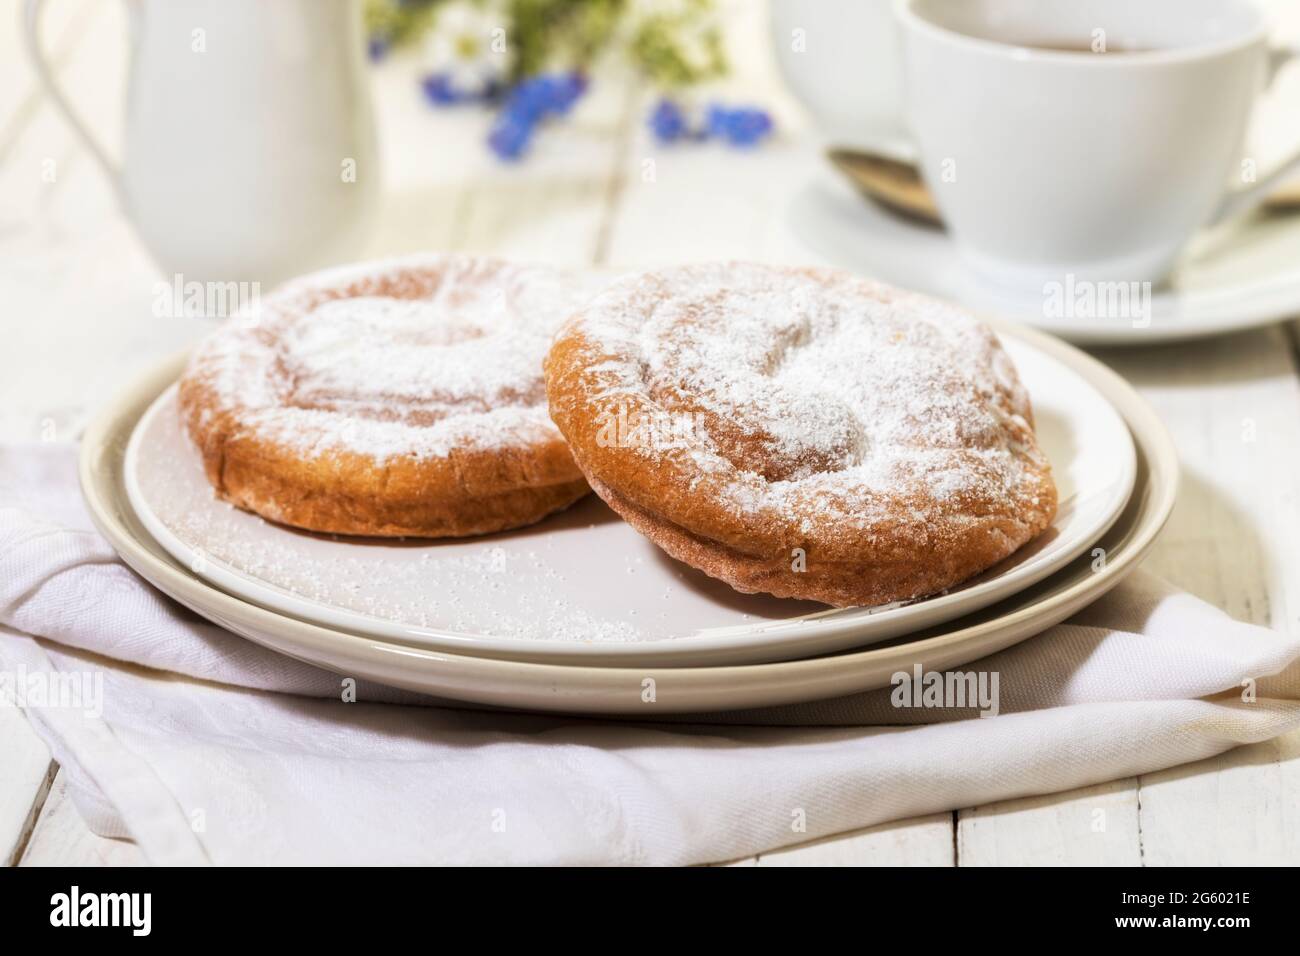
x=76, y=290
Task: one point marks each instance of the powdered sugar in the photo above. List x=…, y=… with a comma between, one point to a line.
x=819, y=393
x=415, y=357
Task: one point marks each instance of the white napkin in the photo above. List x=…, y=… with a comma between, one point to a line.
x=211, y=749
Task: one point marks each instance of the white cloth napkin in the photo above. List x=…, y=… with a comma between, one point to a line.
x=203, y=747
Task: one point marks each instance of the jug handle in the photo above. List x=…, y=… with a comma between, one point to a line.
x=32, y=12
x=1240, y=200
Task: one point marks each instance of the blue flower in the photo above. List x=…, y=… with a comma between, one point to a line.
x=667, y=121
x=377, y=47
x=737, y=126
x=510, y=135
x=743, y=126
x=546, y=94
x=439, y=91
x=528, y=104
x=568, y=89
x=750, y=127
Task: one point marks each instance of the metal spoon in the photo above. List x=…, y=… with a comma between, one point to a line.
x=893, y=183
x=897, y=185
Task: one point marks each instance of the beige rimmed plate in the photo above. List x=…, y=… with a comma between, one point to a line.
x=620, y=690
x=585, y=588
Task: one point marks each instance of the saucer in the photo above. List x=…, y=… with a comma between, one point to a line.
x=1239, y=276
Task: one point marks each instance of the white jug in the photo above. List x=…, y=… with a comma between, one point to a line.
x=249, y=149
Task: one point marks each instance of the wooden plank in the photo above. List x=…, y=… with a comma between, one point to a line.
x=28, y=773
x=1238, y=809
x=922, y=841
x=1232, y=406
x=1093, y=826
x=61, y=837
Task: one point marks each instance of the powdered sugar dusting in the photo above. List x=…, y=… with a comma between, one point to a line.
x=415, y=357
x=820, y=394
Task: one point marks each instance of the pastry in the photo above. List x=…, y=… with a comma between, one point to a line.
x=802, y=432
x=400, y=398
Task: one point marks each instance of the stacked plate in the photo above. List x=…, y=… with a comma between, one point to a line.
x=582, y=614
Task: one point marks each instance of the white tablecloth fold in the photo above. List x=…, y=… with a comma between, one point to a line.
x=204, y=747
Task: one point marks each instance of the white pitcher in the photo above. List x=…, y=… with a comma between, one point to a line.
x=249, y=148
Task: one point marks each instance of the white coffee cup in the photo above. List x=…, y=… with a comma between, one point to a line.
x=1098, y=163
x=841, y=59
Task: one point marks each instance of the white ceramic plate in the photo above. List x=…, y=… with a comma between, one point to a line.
x=622, y=690
x=583, y=587
x=1237, y=277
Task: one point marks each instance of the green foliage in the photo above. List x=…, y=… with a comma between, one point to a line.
x=559, y=33
x=679, y=49
x=399, y=22
x=673, y=47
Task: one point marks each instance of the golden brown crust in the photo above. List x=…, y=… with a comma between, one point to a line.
x=246, y=407
x=345, y=493
x=835, y=582
x=792, y=516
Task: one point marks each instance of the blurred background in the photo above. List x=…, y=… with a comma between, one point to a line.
x=583, y=192
x=249, y=140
